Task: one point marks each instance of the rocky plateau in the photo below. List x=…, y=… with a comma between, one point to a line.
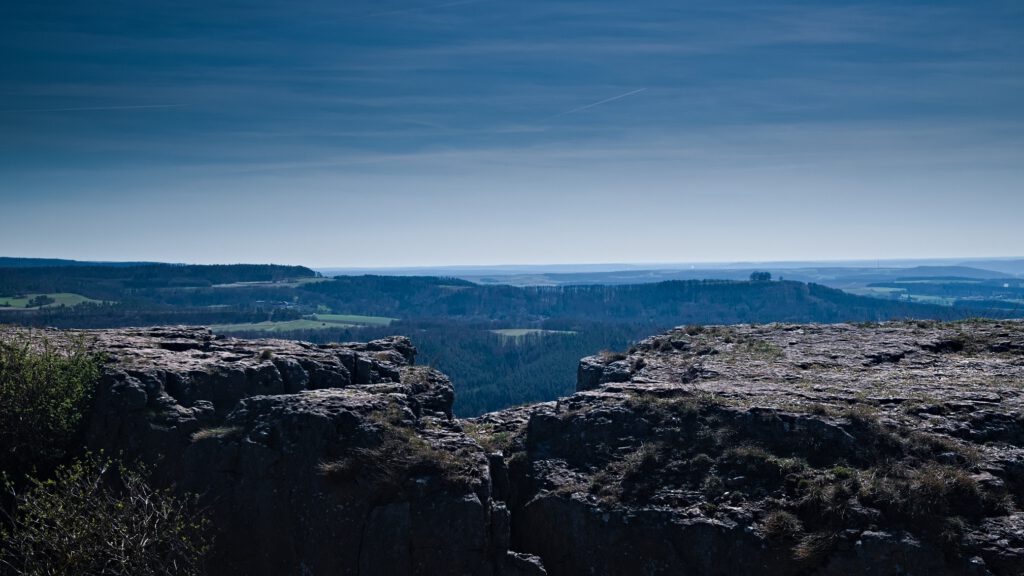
x=893, y=448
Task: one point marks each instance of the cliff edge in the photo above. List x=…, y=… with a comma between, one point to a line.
x=889, y=448
x=893, y=448
x=330, y=459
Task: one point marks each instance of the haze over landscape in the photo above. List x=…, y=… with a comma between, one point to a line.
x=491, y=132
x=511, y=288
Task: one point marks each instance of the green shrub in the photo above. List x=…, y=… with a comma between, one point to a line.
x=98, y=517
x=45, y=386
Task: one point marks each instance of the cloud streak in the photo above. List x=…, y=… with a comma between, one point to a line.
x=97, y=108
x=598, y=103
x=414, y=9
x=419, y=99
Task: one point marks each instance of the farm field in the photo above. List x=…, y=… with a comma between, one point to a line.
x=520, y=332
x=295, y=283
x=314, y=322
x=65, y=298
x=354, y=319
x=283, y=326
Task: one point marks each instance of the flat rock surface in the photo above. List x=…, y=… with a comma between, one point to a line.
x=894, y=448
x=310, y=459
x=779, y=449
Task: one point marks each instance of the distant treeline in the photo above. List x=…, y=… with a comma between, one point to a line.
x=671, y=302
x=969, y=293
x=90, y=315
x=449, y=320
x=8, y=262
x=119, y=282
x=491, y=371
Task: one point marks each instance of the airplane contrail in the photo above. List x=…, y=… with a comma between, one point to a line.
x=94, y=108
x=419, y=8
x=605, y=101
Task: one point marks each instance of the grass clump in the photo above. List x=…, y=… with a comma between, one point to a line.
x=688, y=406
x=814, y=548
x=217, y=432
x=662, y=408
x=399, y=453
x=631, y=476
x=487, y=437
x=825, y=499
x=930, y=492
x=761, y=349
x=756, y=462
x=609, y=356
x=637, y=462
x=780, y=526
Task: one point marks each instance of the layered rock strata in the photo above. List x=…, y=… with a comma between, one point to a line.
x=335, y=459
x=780, y=449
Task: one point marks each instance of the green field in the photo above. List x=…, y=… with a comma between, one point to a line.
x=941, y=301
x=520, y=332
x=354, y=319
x=65, y=298
x=285, y=326
x=295, y=283
x=314, y=322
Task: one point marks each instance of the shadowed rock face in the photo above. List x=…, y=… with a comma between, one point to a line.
x=782, y=449
x=336, y=459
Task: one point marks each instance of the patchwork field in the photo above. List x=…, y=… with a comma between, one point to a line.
x=520, y=332
x=314, y=322
x=294, y=283
x=354, y=319
x=59, y=298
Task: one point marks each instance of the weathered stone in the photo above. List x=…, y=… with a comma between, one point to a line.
x=726, y=449
x=778, y=450
x=334, y=459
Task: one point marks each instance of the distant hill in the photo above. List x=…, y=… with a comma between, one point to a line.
x=671, y=302
x=451, y=321
x=110, y=281
x=1008, y=266
x=836, y=277
x=972, y=272
x=8, y=262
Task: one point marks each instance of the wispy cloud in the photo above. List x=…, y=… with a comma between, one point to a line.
x=598, y=103
x=97, y=108
x=414, y=9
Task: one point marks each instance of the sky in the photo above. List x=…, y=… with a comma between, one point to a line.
x=419, y=133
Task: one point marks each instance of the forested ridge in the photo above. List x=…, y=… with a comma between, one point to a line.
x=451, y=321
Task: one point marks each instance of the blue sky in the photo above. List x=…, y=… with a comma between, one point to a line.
x=488, y=131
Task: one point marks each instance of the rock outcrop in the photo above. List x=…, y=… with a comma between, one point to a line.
x=778, y=450
x=335, y=459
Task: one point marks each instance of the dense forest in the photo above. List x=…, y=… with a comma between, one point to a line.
x=492, y=371
x=139, y=281
x=502, y=345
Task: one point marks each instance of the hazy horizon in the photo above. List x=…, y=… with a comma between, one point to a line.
x=598, y=266
x=405, y=133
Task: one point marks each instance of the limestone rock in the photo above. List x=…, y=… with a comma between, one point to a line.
x=780, y=450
